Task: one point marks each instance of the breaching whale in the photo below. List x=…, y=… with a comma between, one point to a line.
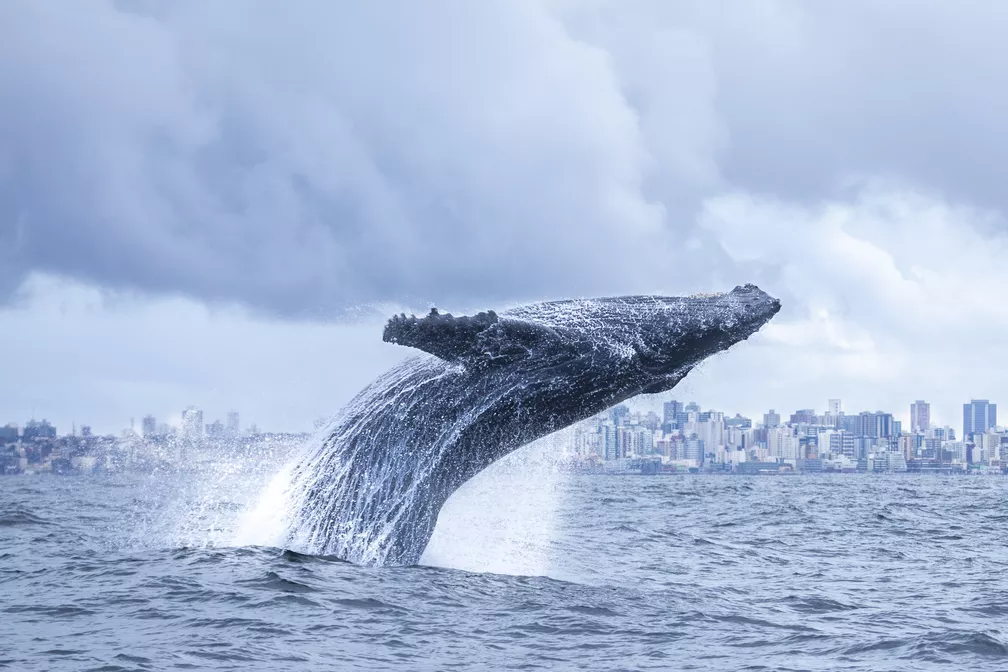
x=371, y=488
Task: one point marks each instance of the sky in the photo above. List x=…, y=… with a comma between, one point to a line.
x=218, y=204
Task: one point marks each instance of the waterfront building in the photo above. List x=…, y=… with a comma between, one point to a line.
x=979, y=415
x=920, y=416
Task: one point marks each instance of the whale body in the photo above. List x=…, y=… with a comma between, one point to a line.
x=371, y=489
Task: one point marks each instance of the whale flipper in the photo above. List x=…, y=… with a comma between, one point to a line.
x=476, y=341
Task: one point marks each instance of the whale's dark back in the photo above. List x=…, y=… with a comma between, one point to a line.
x=372, y=488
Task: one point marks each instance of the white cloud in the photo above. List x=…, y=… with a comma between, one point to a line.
x=301, y=159
x=75, y=354
x=890, y=297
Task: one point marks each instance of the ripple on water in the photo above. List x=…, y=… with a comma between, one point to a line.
x=811, y=573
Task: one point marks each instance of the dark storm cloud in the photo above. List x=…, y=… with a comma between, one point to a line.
x=306, y=158
x=311, y=158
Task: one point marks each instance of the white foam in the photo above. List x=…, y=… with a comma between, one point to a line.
x=265, y=522
x=505, y=519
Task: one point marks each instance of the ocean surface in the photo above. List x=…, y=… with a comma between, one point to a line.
x=530, y=568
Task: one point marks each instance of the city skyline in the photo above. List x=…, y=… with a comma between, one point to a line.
x=918, y=417
x=682, y=438
x=685, y=437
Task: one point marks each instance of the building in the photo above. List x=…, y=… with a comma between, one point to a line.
x=9, y=433
x=804, y=416
x=192, y=423
x=619, y=414
x=842, y=443
x=979, y=415
x=835, y=407
x=771, y=419
x=920, y=416
x=38, y=430
x=233, y=425
x=149, y=426
x=875, y=425
x=671, y=414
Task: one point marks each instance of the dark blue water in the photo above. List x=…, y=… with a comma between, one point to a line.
x=699, y=572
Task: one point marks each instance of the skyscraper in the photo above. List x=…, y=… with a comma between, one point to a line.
x=619, y=414
x=835, y=407
x=233, y=426
x=920, y=416
x=670, y=411
x=771, y=419
x=875, y=425
x=979, y=415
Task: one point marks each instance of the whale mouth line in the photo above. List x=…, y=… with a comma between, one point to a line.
x=371, y=488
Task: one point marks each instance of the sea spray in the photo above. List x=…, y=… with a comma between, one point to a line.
x=505, y=519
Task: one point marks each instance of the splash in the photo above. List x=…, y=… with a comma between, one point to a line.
x=504, y=520
x=507, y=518
x=266, y=520
x=207, y=501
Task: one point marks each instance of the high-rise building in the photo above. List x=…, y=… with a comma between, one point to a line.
x=875, y=425
x=233, y=426
x=149, y=426
x=920, y=416
x=41, y=430
x=771, y=419
x=619, y=414
x=835, y=407
x=609, y=441
x=804, y=416
x=978, y=416
x=670, y=411
x=192, y=422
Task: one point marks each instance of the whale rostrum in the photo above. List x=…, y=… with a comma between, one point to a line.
x=371, y=489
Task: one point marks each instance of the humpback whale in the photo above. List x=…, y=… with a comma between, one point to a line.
x=371, y=488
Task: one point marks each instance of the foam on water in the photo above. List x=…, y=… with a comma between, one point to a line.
x=264, y=521
x=506, y=518
x=502, y=521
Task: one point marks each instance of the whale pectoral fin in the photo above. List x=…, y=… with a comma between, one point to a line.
x=478, y=340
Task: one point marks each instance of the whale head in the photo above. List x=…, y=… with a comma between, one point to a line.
x=673, y=335
x=651, y=342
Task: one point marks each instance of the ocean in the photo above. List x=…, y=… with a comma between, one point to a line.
x=530, y=568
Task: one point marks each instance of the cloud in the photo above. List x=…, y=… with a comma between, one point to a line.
x=891, y=297
x=306, y=159
x=813, y=94
x=85, y=356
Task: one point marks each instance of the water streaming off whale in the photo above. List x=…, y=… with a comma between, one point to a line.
x=371, y=487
